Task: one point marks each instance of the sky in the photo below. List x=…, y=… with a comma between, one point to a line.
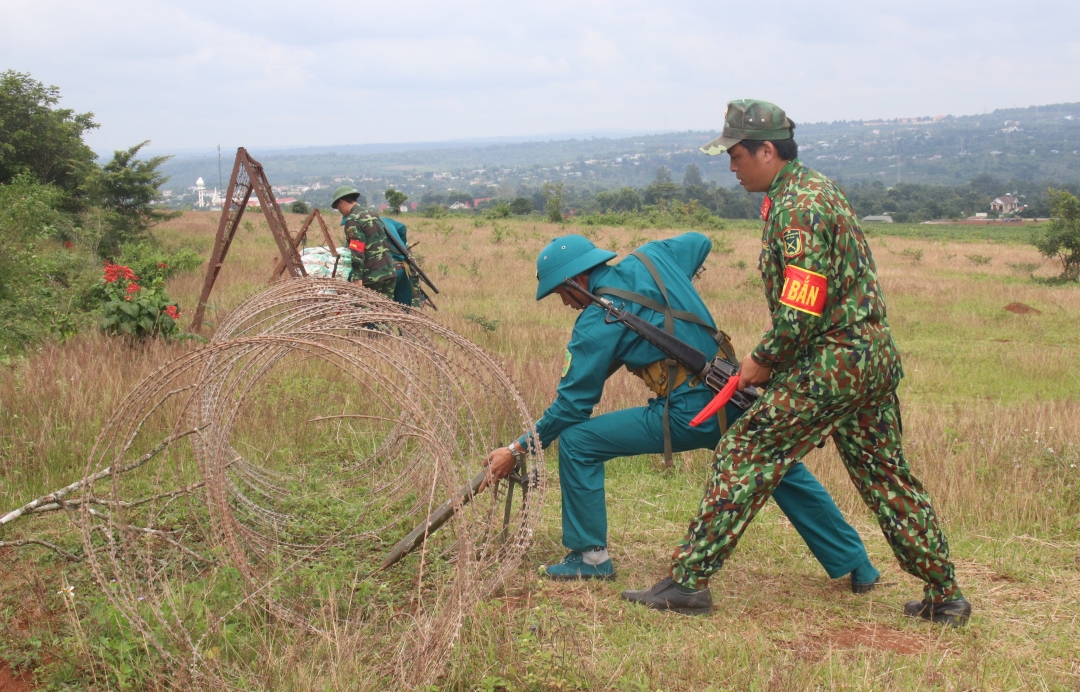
x=194, y=74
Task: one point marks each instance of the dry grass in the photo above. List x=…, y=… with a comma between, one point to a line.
x=991, y=414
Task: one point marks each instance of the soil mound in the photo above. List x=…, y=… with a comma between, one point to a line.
x=1022, y=309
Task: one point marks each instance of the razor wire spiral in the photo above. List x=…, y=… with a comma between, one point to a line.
x=255, y=482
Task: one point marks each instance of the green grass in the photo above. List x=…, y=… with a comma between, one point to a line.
x=990, y=413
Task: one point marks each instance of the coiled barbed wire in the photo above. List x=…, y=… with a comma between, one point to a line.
x=276, y=466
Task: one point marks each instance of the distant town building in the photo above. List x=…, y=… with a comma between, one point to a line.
x=206, y=198
x=1006, y=204
x=883, y=218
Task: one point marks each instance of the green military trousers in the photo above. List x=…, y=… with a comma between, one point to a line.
x=763, y=448
x=583, y=449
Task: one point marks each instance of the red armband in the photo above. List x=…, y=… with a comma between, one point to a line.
x=356, y=245
x=804, y=290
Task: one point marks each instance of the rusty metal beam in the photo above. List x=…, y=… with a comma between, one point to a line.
x=301, y=236
x=247, y=177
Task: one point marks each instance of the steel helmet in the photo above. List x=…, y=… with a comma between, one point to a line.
x=343, y=191
x=564, y=258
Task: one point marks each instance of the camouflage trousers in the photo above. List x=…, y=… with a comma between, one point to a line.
x=762, y=445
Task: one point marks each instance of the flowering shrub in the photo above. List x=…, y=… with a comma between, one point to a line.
x=134, y=309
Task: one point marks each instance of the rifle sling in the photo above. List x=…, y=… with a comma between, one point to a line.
x=670, y=315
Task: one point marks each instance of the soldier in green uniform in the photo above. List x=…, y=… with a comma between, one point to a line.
x=407, y=284
x=829, y=368
x=365, y=236
x=655, y=283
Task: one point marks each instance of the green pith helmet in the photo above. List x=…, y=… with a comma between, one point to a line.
x=342, y=192
x=750, y=119
x=564, y=258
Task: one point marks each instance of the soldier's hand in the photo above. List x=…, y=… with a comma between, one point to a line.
x=500, y=464
x=750, y=373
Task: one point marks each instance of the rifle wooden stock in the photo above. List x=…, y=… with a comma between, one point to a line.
x=434, y=520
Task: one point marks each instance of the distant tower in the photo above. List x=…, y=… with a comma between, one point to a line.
x=200, y=188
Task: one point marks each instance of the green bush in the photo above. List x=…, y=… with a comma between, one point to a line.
x=41, y=276
x=135, y=309
x=1061, y=237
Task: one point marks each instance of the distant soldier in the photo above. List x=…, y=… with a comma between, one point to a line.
x=365, y=236
x=655, y=283
x=407, y=286
x=829, y=368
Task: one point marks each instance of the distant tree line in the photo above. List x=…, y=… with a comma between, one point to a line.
x=904, y=202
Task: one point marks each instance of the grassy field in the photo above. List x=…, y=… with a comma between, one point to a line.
x=991, y=412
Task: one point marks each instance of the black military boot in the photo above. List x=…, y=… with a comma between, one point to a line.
x=665, y=595
x=952, y=613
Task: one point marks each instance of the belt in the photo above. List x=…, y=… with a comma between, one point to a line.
x=655, y=377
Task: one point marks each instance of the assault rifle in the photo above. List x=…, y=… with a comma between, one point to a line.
x=720, y=375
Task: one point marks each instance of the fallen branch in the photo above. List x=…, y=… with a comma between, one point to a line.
x=56, y=496
x=34, y=541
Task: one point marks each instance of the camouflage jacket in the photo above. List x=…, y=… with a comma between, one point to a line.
x=372, y=262
x=830, y=340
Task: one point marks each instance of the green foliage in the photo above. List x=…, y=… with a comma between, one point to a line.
x=300, y=207
x=553, y=201
x=127, y=189
x=40, y=140
x=979, y=260
x=521, y=205
x=134, y=309
x=395, y=198
x=488, y=325
x=40, y=278
x=455, y=196
x=621, y=200
x=501, y=210
x=1061, y=237
x=675, y=215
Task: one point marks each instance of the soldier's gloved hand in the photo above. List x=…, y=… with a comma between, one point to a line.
x=750, y=373
x=500, y=464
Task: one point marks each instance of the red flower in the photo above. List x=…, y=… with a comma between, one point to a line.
x=118, y=271
x=162, y=265
x=133, y=287
x=173, y=312
x=68, y=243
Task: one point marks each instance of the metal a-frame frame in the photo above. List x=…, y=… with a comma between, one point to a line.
x=247, y=177
x=315, y=215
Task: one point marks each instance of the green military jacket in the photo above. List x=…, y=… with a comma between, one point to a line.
x=830, y=341
x=372, y=262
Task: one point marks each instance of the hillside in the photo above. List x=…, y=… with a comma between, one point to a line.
x=1038, y=143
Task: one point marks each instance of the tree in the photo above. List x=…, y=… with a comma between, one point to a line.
x=553, y=201
x=38, y=139
x=692, y=177
x=299, y=207
x=623, y=199
x=521, y=205
x=395, y=198
x=455, y=196
x=1061, y=238
x=127, y=190
x=661, y=190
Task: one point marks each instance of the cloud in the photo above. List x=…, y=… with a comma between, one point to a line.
x=200, y=72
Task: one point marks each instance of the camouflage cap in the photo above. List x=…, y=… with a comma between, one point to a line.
x=750, y=119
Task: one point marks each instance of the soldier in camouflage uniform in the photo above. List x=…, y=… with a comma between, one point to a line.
x=829, y=368
x=365, y=236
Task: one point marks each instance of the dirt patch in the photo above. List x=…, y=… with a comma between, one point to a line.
x=9, y=682
x=877, y=637
x=1021, y=309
